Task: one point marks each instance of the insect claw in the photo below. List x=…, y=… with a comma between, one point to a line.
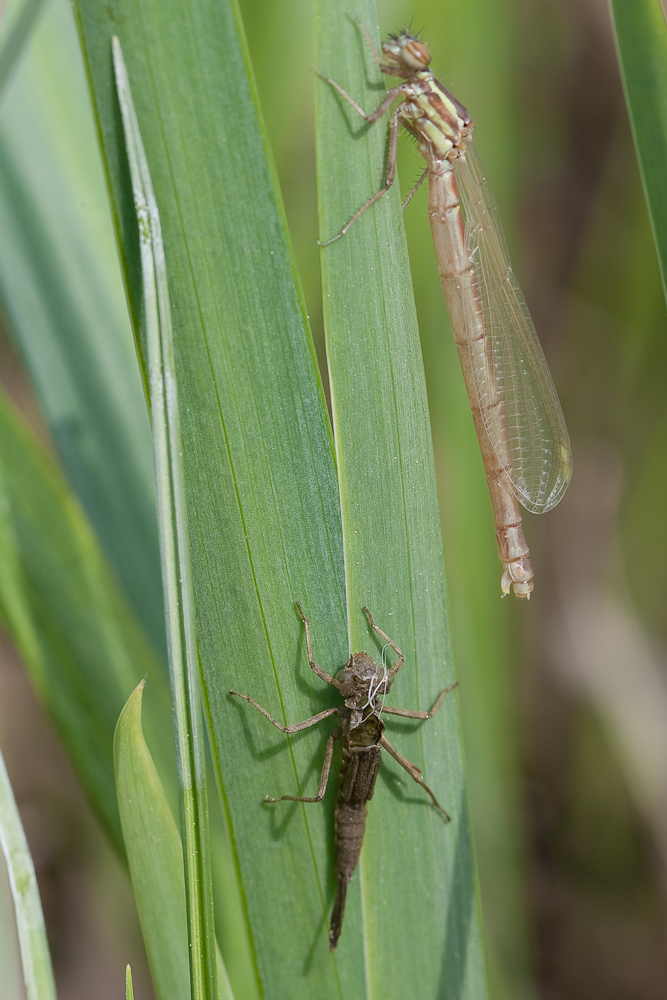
x=326, y=243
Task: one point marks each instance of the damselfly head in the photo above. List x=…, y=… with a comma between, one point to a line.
x=406, y=53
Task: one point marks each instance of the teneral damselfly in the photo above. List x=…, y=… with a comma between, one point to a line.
x=519, y=422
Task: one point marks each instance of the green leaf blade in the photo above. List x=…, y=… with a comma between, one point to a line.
x=263, y=506
x=421, y=925
x=80, y=642
x=64, y=302
x=154, y=854
x=17, y=24
x=35, y=957
x=174, y=545
x=641, y=42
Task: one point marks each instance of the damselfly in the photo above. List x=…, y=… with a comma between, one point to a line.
x=363, y=684
x=519, y=422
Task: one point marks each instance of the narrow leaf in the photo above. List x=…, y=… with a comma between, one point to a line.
x=641, y=42
x=174, y=547
x=10, y=953
x=420, y=928
x=65, y=307
x=155, y=856
x=37, y=969
x=263, y=505
x=66, y=614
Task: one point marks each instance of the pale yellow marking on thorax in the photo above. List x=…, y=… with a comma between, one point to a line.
x=432, y=117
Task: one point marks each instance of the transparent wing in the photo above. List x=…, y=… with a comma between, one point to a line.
x=530, y=437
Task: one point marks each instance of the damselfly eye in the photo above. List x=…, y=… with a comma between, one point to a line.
x=416, y=55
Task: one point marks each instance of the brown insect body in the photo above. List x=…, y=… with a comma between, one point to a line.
x=363, y=684
x=359, y=733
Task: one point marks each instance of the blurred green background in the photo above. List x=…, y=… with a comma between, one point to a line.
x=565, y=698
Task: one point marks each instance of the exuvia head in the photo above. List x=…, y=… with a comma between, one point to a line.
x=406, y=54
x=360, y=678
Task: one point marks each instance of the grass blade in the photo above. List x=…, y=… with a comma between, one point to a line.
x=422, y=934
x=641, y=43
x=174, y=545
x=10, y=953
x=65, y=306
x=155, y=855
x=35, y=957
x=263, y=506
x=68, y=618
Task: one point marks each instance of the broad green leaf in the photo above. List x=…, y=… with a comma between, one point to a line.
x=155, y=856
x=641, y=41
x=175, y=550
x=62, y=295
x=35, y=957
x=263, y=506
x=420, y=926
x=65, y=613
